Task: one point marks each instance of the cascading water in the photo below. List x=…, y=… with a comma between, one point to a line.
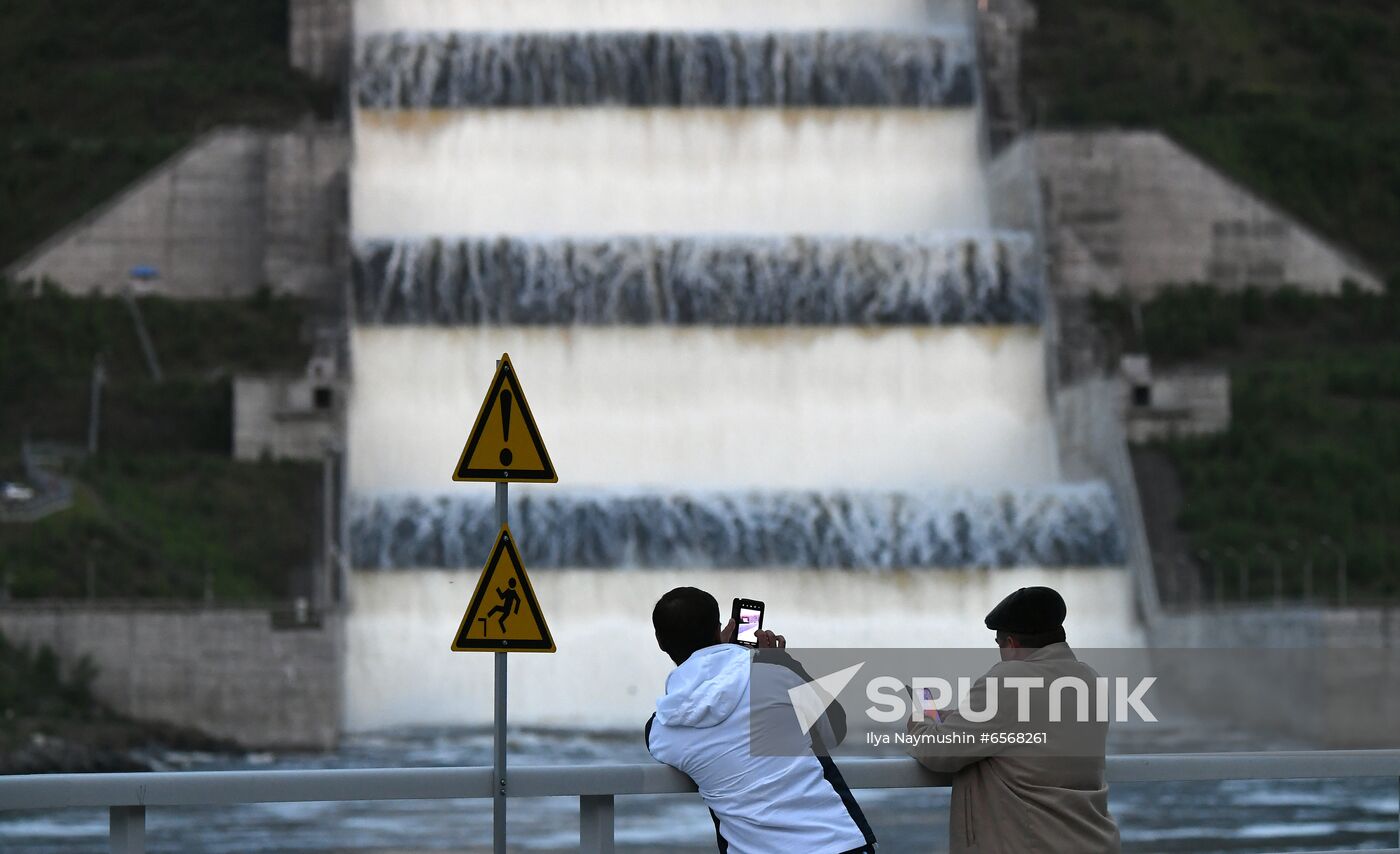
x=741, y=256
x=1063, y=525
x=731, y=70
x=918, y=279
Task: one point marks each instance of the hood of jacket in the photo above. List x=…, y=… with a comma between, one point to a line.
x=706, y=689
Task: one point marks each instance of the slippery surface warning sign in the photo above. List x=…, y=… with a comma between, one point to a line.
x=504, y=615
x=504, y=445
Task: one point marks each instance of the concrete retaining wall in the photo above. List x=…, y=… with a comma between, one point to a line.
x=236, y=209
x=1181, y=403
x=1133, y=210
x=286, y=417
x=320, y=38
x=226, y=672
x=1288, y=626
x=1091, y=445
x=1330, y=679
x=1000, y=25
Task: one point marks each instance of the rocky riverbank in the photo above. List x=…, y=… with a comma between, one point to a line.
x=108, y=744
x=51, y=723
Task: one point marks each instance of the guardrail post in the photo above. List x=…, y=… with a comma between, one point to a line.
x=128, y=830
x=595, y=813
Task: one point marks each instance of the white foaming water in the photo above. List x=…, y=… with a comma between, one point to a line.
x=702, y=407
x=682, y=408
x=608, y=671
x=656, y=171
x=982, y=278
x=383, y=15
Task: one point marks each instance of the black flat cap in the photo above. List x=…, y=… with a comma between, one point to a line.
x=1028, y=611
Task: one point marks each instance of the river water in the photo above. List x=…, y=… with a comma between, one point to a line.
x=1230, y=816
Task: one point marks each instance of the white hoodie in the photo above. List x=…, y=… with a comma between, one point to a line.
x=782, y=804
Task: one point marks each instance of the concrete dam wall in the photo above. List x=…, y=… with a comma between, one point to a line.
x=742, y=258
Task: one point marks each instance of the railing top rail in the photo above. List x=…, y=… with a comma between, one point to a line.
x=190, y=788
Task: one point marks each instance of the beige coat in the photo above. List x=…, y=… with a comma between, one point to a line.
x=1018, y=799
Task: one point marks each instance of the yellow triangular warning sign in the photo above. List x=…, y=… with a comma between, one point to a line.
x=505, y=445
x=504, y=615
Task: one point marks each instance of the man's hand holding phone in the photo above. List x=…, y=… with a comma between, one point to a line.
x=770, y=640
x=930, y=712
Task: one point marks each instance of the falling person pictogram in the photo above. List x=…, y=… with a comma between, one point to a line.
x=505, y=597
x=509, y=600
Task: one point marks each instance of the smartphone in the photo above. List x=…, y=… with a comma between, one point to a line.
x=929, y=711
x=748, y=619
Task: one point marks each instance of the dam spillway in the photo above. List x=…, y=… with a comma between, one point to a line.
x=641, y=280
x=743, y=259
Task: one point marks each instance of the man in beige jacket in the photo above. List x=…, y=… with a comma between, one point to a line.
x=1019, y=798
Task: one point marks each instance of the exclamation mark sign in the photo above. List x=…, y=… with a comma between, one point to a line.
x=506, y=399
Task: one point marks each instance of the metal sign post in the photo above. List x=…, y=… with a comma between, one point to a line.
x=491, y=455
x=498, y=798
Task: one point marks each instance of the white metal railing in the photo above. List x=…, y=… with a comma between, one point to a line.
x=128, y=796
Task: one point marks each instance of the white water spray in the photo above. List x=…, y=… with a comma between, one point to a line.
x=991, y=278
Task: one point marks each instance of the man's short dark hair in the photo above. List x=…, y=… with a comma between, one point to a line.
x=685, y=619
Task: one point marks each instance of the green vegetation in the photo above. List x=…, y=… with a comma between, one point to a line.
x=160, y=525
x=1313, y=449
x=32, y=685
x=49, y=341
x=161, y=507
x=97, y=93
x=1298, y=99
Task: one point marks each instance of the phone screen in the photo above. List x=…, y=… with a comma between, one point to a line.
x=747, y=625
x=930, y=711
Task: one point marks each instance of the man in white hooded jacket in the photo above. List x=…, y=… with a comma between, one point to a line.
x=761, y=804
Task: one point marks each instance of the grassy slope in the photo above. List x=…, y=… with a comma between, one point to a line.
x=1299, y=99
x=96, y=93
x=1314, y=446
x=162, y=503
